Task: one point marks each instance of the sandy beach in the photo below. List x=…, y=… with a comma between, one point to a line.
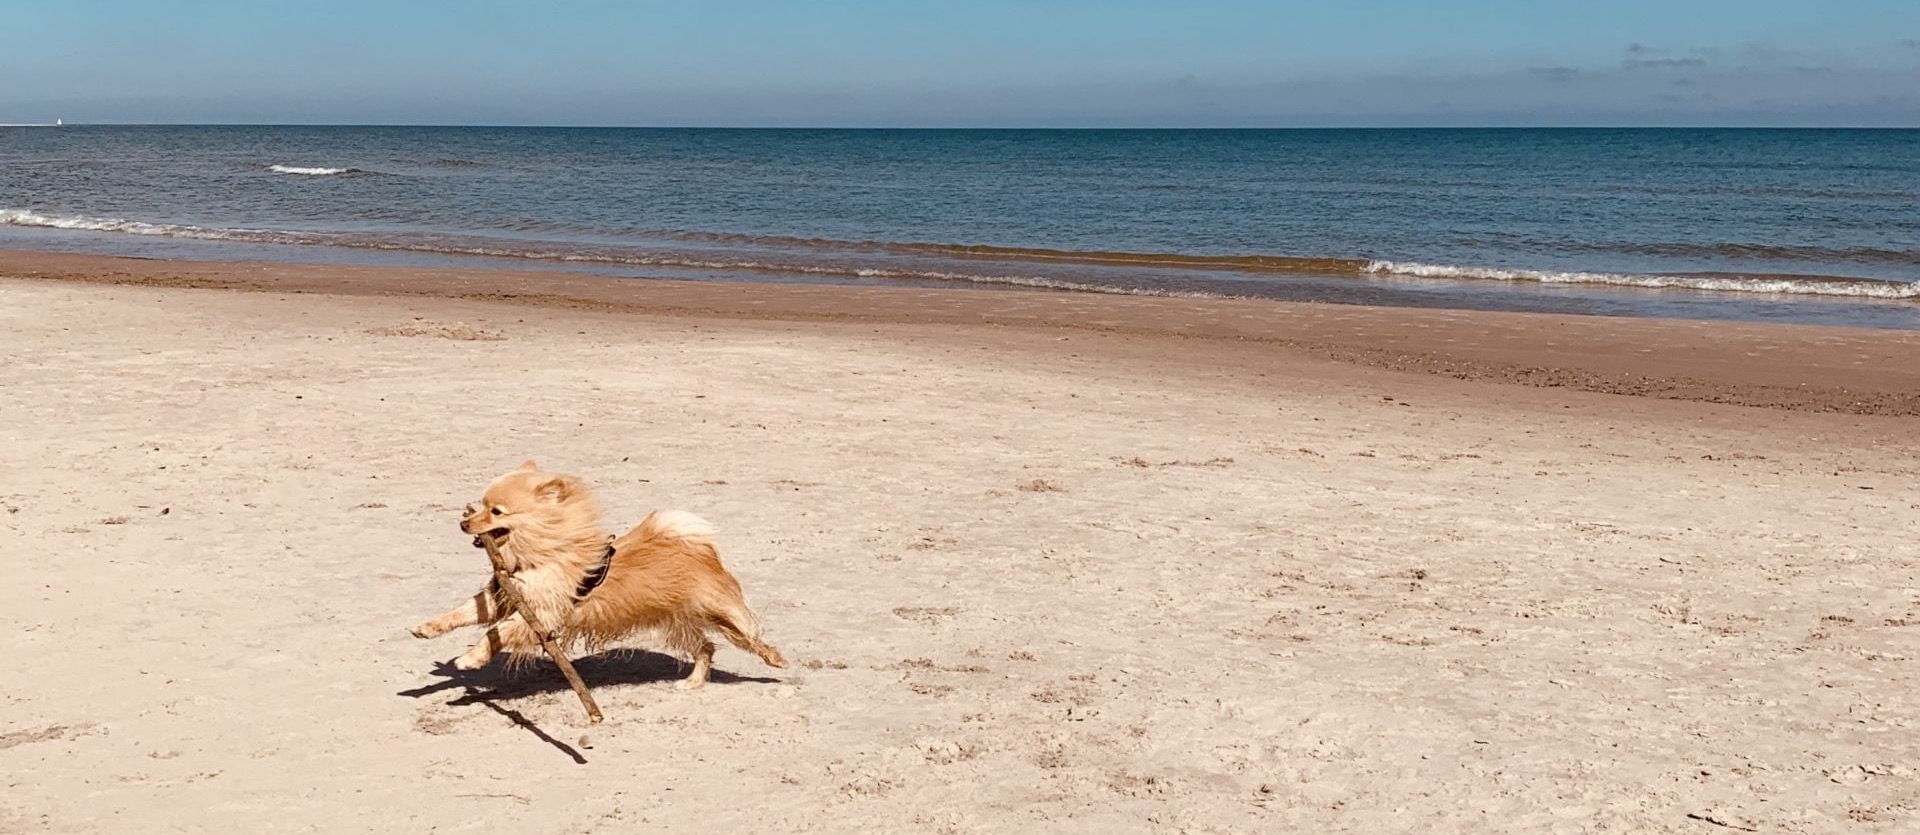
x=1042, y=562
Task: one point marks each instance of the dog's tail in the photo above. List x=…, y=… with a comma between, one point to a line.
x=742, y=629
x=676, y=524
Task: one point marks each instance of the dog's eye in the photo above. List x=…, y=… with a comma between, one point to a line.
x=499, y=511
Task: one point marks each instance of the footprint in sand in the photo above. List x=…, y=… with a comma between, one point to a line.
x=46, y=734
x=928, y=616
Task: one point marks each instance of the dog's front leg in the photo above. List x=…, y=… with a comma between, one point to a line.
x=481, y=608
x=512, y=632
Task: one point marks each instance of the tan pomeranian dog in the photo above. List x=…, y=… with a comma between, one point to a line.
x=664, y=576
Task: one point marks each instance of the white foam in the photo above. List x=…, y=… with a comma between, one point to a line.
x=20, y=217
x=310, y=172
x=1737, y=284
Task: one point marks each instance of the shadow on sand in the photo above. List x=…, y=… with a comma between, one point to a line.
x=500, y=682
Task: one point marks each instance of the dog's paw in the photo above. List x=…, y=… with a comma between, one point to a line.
x=427, y=630
x=690, y=684
x=471, y=662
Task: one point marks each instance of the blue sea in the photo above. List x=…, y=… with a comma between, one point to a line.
x=1810, y=226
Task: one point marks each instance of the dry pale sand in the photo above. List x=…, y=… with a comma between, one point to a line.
x=1030, y=579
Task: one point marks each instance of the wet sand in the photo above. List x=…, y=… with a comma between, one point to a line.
x=1800, y=368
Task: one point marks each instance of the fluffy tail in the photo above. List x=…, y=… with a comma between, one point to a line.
x=742, y=629
x=676, y=524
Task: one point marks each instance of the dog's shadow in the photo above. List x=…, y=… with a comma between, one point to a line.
x=498, y=682
x=615, y=668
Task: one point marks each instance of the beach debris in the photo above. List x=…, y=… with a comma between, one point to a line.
x=927, y=615
x=1142, y=463
x=1717, y=820
x=1040, y=485
x=48, y=733
x=457, y=331
x=1215, y=462
x=510, y=594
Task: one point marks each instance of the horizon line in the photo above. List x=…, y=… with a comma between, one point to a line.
x=554, y=126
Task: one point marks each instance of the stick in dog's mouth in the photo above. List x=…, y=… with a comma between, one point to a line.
x=498, y=534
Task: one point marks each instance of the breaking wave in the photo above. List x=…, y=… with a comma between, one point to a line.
x=1783, y=284
x=1718, y=251
x=18, y=217
x=312, y=172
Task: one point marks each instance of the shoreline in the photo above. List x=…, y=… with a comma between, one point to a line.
x=1706, y=292
x=1799, y=368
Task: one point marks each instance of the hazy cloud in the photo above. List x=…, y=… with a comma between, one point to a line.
x=1662, y=63
x=1554, y=73
x=1769, y=55
x=1643, y=57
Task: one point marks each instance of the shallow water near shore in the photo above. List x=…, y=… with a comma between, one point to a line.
x=1807, y=226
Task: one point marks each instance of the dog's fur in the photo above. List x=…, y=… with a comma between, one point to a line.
x=665, y=576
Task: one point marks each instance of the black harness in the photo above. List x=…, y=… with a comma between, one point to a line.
x=596, y=575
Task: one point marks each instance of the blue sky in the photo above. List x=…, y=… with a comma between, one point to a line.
x=984, y=63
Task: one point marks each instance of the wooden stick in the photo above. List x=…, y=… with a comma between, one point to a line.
x=516, y=602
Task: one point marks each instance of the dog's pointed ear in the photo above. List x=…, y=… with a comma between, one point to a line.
x=557, y=489
x=529, y=465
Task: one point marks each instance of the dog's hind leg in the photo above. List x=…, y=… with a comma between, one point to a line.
x=481, y=608
x=702, y=667
x=688, y=637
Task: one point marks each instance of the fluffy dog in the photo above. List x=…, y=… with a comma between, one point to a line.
x=664, y=576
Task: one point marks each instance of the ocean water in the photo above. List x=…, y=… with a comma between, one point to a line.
x=1817, y=226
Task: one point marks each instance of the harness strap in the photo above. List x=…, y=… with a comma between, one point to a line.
x=596, y=575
